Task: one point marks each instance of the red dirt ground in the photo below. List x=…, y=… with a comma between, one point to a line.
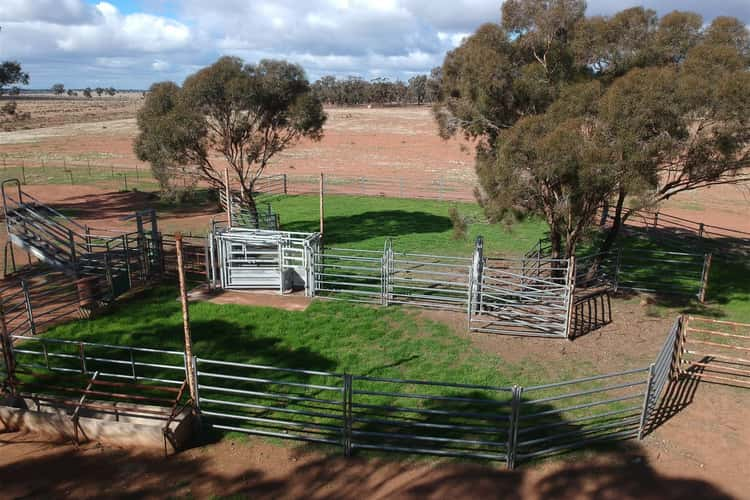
x=695, y=454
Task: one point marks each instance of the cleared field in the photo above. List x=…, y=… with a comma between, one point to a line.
x=48, y=110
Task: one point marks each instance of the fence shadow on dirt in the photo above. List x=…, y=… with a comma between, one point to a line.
x=368, y=225
x=591, y=311
x=221, y=472
x=678, y=395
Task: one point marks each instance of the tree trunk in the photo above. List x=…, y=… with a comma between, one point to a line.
x=611, y=237
x=252, y=207
x=617, y=223
x=556, y=252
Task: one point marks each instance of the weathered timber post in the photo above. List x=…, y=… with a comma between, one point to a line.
x=189, y=360
x=322, y=194
x=704, y=277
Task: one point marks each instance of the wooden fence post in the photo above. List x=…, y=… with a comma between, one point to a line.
x=322, y=194
x=704, y=277
x=189, y=360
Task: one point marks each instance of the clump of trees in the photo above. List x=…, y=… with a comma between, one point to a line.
x=58, y=89
x=354, y=90
x=244, y=113
x=11, y=73
x=570, y=113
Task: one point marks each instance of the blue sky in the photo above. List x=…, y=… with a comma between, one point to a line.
x=133, y=43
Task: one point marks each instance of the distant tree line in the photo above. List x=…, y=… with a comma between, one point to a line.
x=11, y=74
x=59, y=89
x=354, y=90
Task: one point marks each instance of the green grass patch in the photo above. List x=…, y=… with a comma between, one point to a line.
x=425, y=226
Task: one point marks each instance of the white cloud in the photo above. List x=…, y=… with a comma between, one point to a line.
x=159, y=65
x=83, y=44
x=63, y=12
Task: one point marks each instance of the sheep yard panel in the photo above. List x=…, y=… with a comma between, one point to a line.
x=514, y=298
x=348, y=274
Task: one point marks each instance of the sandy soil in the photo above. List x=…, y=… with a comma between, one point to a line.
x=377, y=143
x=48, y=110
x=695, y=454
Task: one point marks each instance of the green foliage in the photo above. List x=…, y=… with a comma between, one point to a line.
x=355, y=90
x=11, y=73
x=460, y=223
x=58, y=89
x=570, y=112
x=246, y=113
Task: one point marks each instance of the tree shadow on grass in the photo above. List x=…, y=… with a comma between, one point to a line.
x=387, y=223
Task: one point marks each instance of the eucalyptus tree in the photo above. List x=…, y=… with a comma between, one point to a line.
x=569, y=113
x=243, y=113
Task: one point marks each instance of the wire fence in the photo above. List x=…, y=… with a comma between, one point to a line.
x=676, y=231
x=114, y=175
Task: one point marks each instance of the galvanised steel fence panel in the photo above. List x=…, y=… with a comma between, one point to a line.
x=305, y=405
x=424, y=280
x=509, y=424
x=557, y=417
x=518, y=299
x=348, y=274
x=650, y=270
x=119, y=362
x=443, y=419
x=666, y=362
x=657, y=271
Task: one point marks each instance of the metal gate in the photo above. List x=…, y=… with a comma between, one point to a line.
x=512, y=299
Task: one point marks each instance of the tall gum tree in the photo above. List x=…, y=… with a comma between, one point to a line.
x=244, y=114
x=571, y=113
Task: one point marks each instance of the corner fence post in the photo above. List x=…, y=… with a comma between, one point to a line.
x=513, y=424
x=570, y=288
x=475, y=281
x=190, y=363
x=704, y=277
x=646, y=410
